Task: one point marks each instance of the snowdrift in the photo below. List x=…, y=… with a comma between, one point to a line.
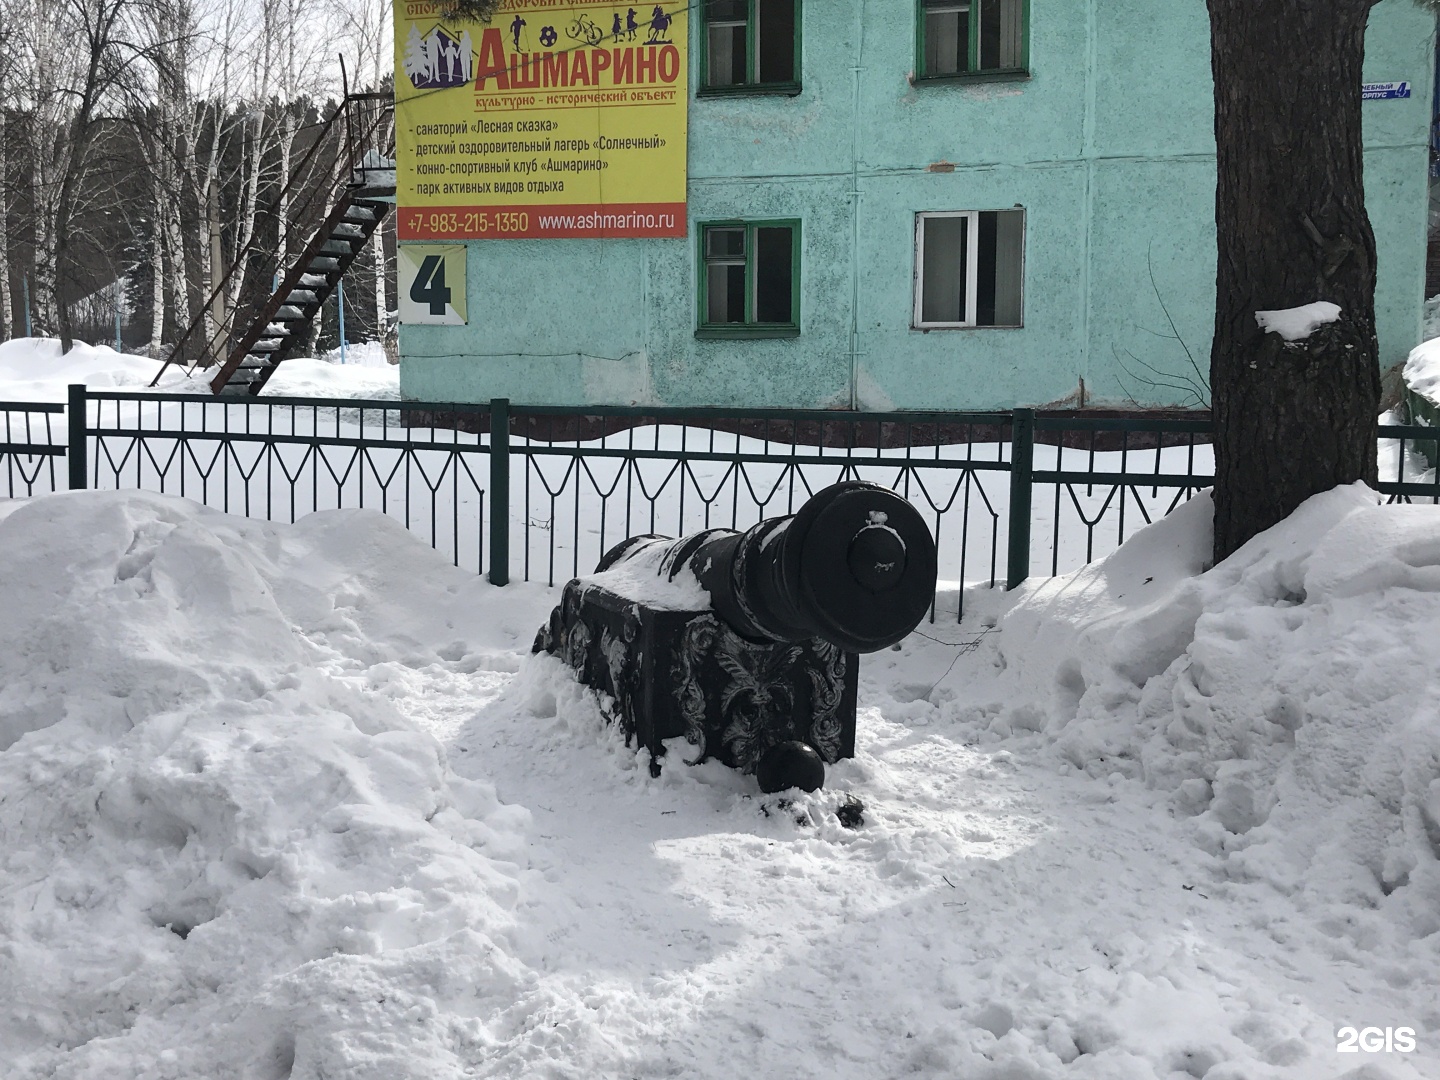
x=1287, y=700
x=294, y=801
x=34, y=369
x=213, y=841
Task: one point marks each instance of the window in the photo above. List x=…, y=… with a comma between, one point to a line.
x=750, y=45
x=969, y=268
x=750, y=279
x=970, y=37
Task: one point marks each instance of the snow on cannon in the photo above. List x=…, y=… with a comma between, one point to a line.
x=746, y=643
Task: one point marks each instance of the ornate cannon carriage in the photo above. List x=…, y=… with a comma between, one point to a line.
x=747, y=643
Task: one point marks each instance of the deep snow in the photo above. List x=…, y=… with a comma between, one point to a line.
x=294, y=800
x=34, y=369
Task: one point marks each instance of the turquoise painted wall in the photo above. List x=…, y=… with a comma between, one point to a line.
x=1108, y=146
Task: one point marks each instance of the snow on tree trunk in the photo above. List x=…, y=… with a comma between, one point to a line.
x=1299, y=417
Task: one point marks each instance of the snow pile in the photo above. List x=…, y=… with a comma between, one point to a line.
x=215, y=837
x=33, y=369
x=296, y=801
x=1422, y=370
x=1298, y=323
x=1286, y=702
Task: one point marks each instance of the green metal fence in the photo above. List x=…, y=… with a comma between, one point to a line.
x=1008, y=495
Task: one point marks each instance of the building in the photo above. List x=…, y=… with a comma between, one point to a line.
x=921, y=204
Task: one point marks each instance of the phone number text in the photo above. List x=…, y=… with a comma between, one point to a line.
x=470, y=223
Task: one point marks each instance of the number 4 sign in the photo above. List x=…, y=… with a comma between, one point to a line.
x=432, y=284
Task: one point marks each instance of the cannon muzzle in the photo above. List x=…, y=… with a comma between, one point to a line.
x=855, y=567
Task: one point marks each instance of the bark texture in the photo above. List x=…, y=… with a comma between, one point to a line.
x=6, y=300
x=1291, y=419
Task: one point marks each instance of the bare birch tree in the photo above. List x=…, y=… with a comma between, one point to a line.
x=136, y=131
x=7, y=47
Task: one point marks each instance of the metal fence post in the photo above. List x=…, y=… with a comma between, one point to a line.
x=499, y=491
x=1022, y=462
x=75, y=447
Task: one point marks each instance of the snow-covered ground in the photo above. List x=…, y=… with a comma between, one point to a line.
x=296, y=801
x=33, y=369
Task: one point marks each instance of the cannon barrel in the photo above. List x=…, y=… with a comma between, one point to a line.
x=855, y=566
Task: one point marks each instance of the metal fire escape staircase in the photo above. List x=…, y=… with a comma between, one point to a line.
x=281, y=328
x=245, y=346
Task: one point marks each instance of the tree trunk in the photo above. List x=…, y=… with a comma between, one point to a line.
x=382, y=310
x=6, y=300
x=219, y=336
x=210, y=267
x=63, y=214
x=1291, y=418
x=282, y=205
x=251, y=164
x=157, y=256
x=45, y=164
x=183, y=181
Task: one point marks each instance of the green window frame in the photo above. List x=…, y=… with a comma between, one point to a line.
x=972, y=39
x=748, y=280
x=749, y=47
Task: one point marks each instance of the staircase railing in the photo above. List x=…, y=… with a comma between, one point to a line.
x=359, y=125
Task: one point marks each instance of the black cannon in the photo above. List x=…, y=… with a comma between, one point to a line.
x=746, y=643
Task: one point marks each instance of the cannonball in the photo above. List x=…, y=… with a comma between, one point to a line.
x=790, y=765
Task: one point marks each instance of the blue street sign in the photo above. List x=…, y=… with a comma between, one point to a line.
x=1381, y=91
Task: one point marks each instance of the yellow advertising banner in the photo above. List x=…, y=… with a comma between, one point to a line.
x=558, y=118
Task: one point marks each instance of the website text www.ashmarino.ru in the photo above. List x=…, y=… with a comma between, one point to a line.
x=606, y=221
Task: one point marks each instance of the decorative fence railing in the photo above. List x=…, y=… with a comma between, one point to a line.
x=31, y=441
x=1006, y=494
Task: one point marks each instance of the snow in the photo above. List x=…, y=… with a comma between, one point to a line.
x=640, y=577
x=33, y=369
x=1298, y=323
x=295, y=800
x=1422, y=370
x=307, y=377
x=1430, y=319
x=370, y=354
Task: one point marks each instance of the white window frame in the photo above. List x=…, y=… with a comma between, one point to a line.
x=972, y=269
